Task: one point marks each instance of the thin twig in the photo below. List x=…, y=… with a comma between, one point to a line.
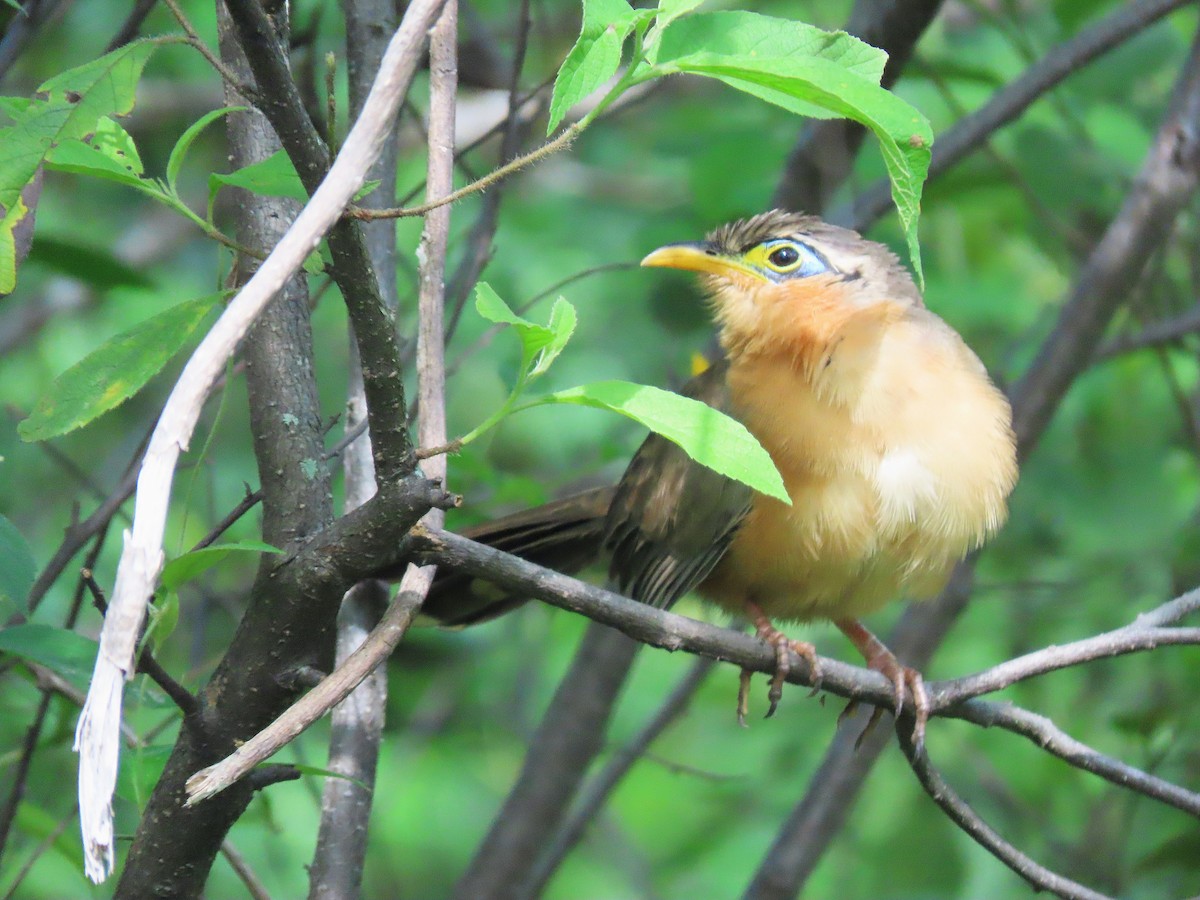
x=1132, y=638
x=561, y=142
x=538, y=94
x=254, y=886
x=38, y=852
x=19, y=774
x=227, y=75
x=1049, y=737
x=449, y=448
x=80, y=533
x=1153, y=335
x=969, y=821
x=149, y=666
x=479, y=242
x=250, y=500
x=313, y=705
x=132, y=25
x=672, y=631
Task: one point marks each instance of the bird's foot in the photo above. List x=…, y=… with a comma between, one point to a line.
x=905, y=680
x=784, y=647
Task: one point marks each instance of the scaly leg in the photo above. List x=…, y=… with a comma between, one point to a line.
x=783, y=665
x=882, y=660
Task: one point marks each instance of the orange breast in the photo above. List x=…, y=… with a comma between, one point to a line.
x=898, y=456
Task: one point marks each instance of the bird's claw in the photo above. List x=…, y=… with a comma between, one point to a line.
x=905, y=680
x=743, y=701
x=783, y=647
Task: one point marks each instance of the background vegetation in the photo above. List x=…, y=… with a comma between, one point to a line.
x=1103, y=521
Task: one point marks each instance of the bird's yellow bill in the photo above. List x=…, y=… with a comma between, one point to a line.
x=697, y=257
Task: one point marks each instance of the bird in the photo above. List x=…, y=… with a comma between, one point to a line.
x=895, y=447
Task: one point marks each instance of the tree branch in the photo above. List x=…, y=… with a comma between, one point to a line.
x=357, y=722
x=374, y=650
x=1052, y=739
x=374, y=324
x=674, y=632
x=1039, y=877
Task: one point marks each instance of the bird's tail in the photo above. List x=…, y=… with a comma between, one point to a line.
x=564, y=535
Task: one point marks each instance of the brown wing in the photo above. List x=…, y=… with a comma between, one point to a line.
x=672, y=519
x=563, y=535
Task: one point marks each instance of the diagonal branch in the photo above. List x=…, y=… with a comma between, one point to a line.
x=1039, y=877
x=1137, y=636
x=1008, y=104
x=1052, y=739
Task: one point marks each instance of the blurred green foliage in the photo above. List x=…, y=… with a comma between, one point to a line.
x=1103, y=522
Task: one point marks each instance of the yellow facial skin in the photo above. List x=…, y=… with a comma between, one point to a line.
x=776, y=257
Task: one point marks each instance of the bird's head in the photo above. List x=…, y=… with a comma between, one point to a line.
x=785, y=277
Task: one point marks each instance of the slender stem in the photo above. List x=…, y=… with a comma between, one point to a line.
x=548, y=149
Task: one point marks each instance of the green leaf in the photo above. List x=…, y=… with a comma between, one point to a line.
x=115, y=372
x=709, y=437
x=8, y=245
x=188, y=566
x=15, y=107
x=670, y=10
x=736, y=34
x=78, y=158
x=25, y=144
x=540, y=344
x=112, y=140
x=110, y=154
x=78, y=100
x=489, y=305
x=274, y=176
x=17, y=569
x=69, y=654
x=562, y=326
x=163, y=617
x=796, y=84
x=595, y=57
x=180, y=151
x=103, y=87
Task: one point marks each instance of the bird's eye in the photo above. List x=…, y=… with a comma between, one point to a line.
x=787, y=257
x=784, y=257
